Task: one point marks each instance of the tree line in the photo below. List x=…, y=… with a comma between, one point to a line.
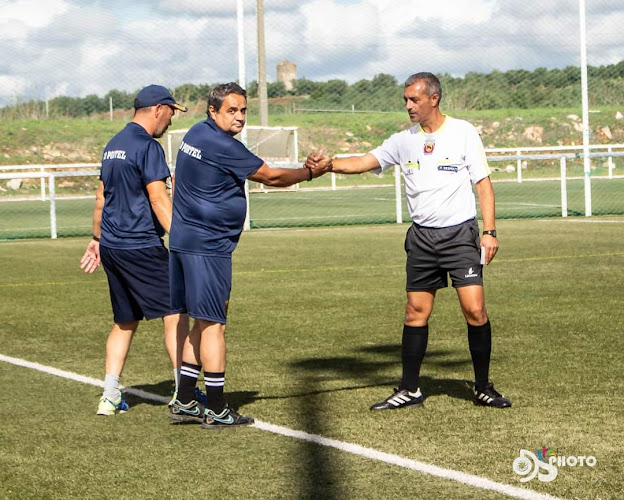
x=523, y=89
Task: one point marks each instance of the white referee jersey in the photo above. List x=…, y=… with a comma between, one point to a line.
x=439, y=170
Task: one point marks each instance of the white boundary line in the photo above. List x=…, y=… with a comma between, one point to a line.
x=354, y=449
x=585, y=221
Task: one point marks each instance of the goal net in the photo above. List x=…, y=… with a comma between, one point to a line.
x=277, y=146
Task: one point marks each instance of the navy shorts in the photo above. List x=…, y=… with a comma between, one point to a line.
x=138, y=281
x=200, y=285
x=435, y=253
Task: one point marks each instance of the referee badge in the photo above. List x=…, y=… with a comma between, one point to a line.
x=413, y=165
x=429, y=145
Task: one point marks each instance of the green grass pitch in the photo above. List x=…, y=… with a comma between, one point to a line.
x=313, y=339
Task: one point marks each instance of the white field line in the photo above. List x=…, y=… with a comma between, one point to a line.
x=47, y=228
x=354, y=449
x=585, y=221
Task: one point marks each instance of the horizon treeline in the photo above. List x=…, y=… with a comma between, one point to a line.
x=540, y=88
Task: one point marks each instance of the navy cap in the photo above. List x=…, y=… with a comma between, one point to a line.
x=156, y=94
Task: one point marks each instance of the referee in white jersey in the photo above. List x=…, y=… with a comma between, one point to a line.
x=441, y=158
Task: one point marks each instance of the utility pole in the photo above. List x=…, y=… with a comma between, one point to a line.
x=262, y=83
x=585, y=105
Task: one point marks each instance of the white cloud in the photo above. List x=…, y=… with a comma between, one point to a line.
x=221, y=7
x=79, y=47
x=12, y=87
x=19, y=18
x=444, y=13
x=32, y=13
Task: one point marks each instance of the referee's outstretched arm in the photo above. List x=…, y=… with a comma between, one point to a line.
x=350, y=165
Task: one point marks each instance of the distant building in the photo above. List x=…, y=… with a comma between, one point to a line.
x=286, y=73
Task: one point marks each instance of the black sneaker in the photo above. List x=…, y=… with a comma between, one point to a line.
x=399, y=399
x=226, y=418
x=190, y=413
x=488, y=396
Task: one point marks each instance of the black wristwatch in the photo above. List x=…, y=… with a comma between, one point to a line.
x=491, y=232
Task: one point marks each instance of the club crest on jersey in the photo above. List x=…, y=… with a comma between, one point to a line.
x=429, y=146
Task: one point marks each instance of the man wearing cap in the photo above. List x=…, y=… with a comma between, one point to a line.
x=132, y=212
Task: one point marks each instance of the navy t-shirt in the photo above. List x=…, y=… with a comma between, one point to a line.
x=209, y=203
x=131, y=160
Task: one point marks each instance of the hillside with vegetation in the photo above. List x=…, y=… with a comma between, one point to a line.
x=519, y=89
x=365, y=114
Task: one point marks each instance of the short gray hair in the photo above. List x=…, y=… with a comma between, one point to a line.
x=432, y=84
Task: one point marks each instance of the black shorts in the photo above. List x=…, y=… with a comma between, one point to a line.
x=200, y=285
x=435, y=253
x=138, y=281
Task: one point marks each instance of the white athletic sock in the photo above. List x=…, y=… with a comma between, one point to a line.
x=111, y=387
x=415, y=394
x=176, y=377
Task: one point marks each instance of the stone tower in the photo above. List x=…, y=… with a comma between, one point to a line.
x=286, y=73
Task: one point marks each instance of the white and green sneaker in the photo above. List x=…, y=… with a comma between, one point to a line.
x=109, y=407
x=199, y=396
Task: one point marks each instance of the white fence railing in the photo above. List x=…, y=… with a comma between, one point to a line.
x=43, y=169
x=49, y=173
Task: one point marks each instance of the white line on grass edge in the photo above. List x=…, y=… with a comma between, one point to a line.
x=355, y=449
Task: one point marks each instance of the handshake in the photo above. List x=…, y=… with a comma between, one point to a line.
x=319, y=164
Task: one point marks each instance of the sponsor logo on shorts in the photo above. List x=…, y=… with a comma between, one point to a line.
x=471, y=273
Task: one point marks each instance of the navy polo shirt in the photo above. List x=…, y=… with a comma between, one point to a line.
x=131, y=160
x=209, y=203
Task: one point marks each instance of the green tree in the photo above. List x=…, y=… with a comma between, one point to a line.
x=384, y=81
x=121, y=100
x=303, y=86
x=276, y=89
x=252, y=89
x=94, y=104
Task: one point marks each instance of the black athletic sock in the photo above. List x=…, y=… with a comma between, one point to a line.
x=189, y=374
x=413, y=348
x=480, y=343
x=214, y=390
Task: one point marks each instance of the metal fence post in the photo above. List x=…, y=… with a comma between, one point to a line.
x=397, y=194
x=610, y=162
x=564, y=190
x=519, y=166
x=247, y=223
x=43, y=184
x=51, y=190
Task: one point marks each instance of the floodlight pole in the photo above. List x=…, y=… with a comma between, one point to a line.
x=262, y=83
x=585, y=102
x=242, y=78
x=240, y=23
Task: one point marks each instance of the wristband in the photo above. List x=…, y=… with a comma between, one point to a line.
x=309, y=172
x=95, y=238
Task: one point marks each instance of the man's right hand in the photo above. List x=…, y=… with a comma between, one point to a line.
x=91, y=259
x=319, y=163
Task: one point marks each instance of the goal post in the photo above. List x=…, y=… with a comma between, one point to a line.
x=275, y=145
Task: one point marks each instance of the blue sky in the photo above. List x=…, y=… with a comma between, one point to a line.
x=80, y=47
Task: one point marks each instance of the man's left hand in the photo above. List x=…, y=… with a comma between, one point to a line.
x=491, y=247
